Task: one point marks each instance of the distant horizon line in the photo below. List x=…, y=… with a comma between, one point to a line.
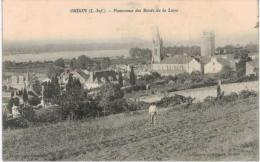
x=121, y=41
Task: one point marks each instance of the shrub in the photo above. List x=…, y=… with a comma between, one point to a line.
x=34, y=101
x=172, y=100
x=50, y=114
x=27, y=112
x=15, y=123
x=247, y=94
x=210, y=99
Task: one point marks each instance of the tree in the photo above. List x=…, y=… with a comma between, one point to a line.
x=54, y=71
x=120, y=79
x=140, y=53
x=242, y=57
x=227, y=72
x=109, y=93
x=36, y=86
x=252, y=47
x=84, y=62
x=104, y=63
x=73, y=63
x=132, y=76
x=60, y=62
x=25, y=96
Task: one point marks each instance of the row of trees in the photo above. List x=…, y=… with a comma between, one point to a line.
x=191, y=50
x=84, y=62
x=51, y=88
x=232, y=49
x=177, y=50
x=140, y=53
x=145, y=53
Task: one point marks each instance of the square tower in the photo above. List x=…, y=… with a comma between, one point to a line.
x=207, y=44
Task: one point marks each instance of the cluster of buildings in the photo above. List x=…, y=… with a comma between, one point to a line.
x=207, y=63
x=89, y=79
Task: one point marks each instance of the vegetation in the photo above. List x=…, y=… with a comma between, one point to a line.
x=60, y=62
x=202, y=131
x=84, y=62
x=232, y=49
x=179, y=50
x=140, y=53
x=132, y=76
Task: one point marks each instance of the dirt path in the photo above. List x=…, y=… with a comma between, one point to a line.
x=201, y=93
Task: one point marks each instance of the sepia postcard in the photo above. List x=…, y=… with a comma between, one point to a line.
x=130, y=80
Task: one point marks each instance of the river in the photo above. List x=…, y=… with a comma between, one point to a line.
x=52, y=56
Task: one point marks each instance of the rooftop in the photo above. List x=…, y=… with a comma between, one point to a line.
x=177, y=59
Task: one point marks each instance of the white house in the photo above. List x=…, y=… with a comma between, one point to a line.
x=252, y=68
x=215, y=65
x=98, y=78
x=19, y=81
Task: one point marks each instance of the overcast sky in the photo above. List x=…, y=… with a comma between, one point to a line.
x=232, y=20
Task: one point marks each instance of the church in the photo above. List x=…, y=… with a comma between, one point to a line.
x=171, y=65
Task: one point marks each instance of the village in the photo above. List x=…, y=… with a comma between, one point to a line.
x=158, y=76
x=130, y=80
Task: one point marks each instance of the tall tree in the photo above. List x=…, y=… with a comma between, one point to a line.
x=109, y=93
x=25, y=96
x=120, y=79
x=132, y=76
x=84, y=62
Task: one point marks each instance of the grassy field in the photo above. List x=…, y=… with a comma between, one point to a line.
x=198, y=132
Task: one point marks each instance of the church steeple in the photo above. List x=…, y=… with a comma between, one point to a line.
x=157, y=46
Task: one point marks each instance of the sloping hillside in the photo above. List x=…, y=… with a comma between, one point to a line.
x=198, y=132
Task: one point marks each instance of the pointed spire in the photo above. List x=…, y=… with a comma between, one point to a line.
x=157, y=33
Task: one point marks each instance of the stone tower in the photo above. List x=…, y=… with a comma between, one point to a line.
x=157, y=47
x=207, y=43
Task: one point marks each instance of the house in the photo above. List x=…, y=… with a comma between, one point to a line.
x=253, y=55
x=89, y=79
x=98, y=78
x=177, y=64
x=18, y=81
x=215, y=65
x=252, y=68
x=77, y=74
x=123, y=68
x=142, y=70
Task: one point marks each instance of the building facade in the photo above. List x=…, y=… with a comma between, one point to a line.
x=215, y=65
x=18, y=81
x=176, y=65
x=252, y=68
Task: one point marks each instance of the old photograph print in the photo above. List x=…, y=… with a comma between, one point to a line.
x=131, y=80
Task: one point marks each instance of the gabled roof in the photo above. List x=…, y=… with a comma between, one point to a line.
x=82, y=74
x=104, y=74
x=177, y=59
